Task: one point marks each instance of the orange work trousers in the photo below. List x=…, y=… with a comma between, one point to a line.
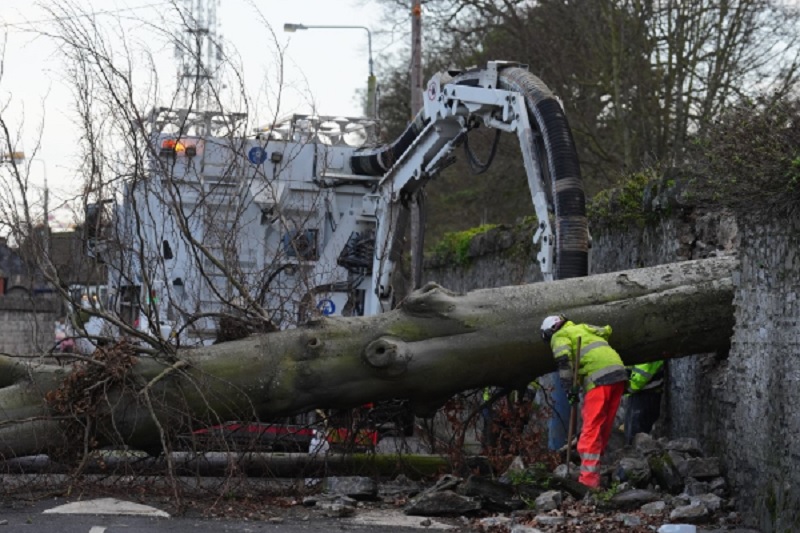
x=599, y=409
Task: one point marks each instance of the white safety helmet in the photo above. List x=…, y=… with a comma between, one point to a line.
x=550, y=325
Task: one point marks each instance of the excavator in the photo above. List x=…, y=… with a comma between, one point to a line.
x=307, y=216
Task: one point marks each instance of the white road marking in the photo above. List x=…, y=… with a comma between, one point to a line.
x=97, y=529
x=110, y=506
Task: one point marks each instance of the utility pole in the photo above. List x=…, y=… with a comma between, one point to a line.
x=418, y=205
x=46, y=215
x=416, y=57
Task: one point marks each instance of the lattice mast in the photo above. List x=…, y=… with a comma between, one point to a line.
x=198, y=51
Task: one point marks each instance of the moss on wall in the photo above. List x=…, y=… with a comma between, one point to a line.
x=454, y=247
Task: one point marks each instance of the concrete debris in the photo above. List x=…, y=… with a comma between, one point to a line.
x=524, y=529
x=336, y=505
x=654, y=508
x=701, y=468
x=695, y=513
x=694, y=487
x=712, y=502
x=494, y=496
x=516, y=466
x=548, y=520
x=685, y=445
x=634, y=470
x=356, y=487
x=655, y=481
x=646, y=445
x=629, y=520
x=446, y=482
x=399, y=486
x=494, y=521
x=549, y=501
x=633, y=499
x=441, y=503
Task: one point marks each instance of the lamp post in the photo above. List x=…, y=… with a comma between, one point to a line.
x=372, y=100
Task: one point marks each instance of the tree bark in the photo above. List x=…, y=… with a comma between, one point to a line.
x=434, y=345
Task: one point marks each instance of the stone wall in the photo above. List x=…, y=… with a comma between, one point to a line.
x=759, y=388
x=693, y=408
x=500, y=257
x=27, y=325
x=741, y=405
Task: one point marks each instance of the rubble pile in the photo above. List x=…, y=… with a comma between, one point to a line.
x=653, y=485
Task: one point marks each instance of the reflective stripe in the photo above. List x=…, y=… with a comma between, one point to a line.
x=641, y=372
x=588, y=468
x=589, y=380
x=653, y=385
x=591, y=346
x=561, y=351
x=590, y=456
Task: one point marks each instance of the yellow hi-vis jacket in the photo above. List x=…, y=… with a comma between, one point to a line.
x=598, y=363
x=646, y=377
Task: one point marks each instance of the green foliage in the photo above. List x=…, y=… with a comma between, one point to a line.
x=454, y=246
x=750, y=160
x=458, y=199
x=533, y=475
x=793, y=175
x=536, y=476
x=605, y=496
x=625, y=204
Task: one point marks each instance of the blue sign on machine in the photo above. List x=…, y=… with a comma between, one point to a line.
x=326, y=307
x=257, y=155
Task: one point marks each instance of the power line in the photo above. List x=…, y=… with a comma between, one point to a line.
x=21, y=25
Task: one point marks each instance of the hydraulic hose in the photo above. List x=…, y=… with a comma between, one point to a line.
x=563, y=169
x=376, y=161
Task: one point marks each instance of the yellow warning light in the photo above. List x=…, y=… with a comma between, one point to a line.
x=187, y=147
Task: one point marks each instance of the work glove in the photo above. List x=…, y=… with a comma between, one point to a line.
x=573, y=397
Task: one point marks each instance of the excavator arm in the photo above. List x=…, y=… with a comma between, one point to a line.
x=506, y=97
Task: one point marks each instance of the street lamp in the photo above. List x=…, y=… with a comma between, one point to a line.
x=372, y=100
x=8, y=157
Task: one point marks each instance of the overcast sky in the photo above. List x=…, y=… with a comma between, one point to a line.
x=325, y=67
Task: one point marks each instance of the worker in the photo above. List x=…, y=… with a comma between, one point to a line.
x=643, y=398
x=493, y=426
x=486, y=413
x=558, y=422
x=603, y=377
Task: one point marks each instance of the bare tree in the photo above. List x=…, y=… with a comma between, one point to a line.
x=638, y=78
x=211, y=223
x=180, y=210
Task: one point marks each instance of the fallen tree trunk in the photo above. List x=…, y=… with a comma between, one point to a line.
x=436, y=344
